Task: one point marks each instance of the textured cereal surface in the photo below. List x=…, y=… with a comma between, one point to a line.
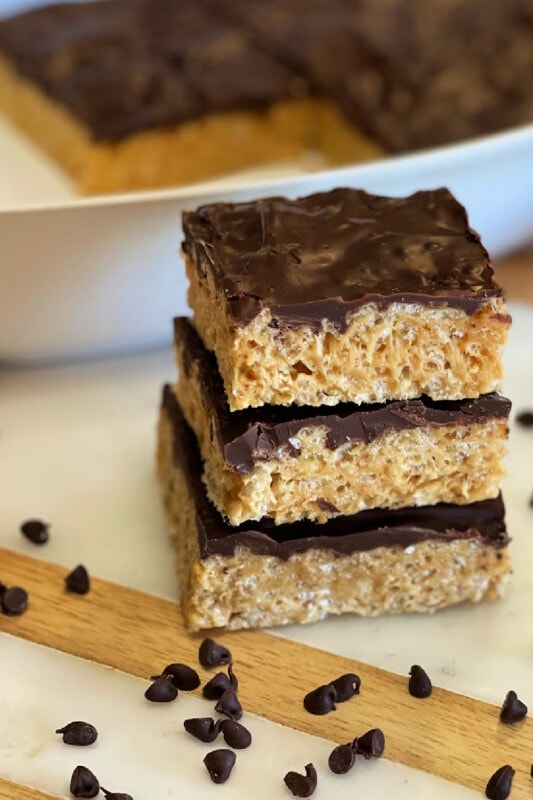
x=246, y=590
x=397, y=353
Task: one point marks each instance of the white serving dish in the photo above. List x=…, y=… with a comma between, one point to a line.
x=84, y=276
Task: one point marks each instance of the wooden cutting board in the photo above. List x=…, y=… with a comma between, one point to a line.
x=448, y=735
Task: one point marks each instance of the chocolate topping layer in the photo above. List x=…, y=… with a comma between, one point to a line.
x=342, y=535
x=256, y=434
x=326, y=255
x=122, y=66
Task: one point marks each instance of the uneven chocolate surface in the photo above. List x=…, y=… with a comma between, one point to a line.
x=326, y=255
x=256, y=434
x=122, y=66
x=342, y=535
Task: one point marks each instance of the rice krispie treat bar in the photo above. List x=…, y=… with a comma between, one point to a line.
x=344, y=296
x=410, y=559
x=292, y=463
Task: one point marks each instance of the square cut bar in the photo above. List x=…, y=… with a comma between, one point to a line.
x=292, y=463
x=344, y=296
x=411, y=559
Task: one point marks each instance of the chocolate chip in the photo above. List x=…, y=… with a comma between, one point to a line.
x=229, y=704
x=77, y=581
x=14, y=601
x=83, y=783
x=116, y=795
x=531, y=771
x=235, y=734
x=513, y=709
x=525, y=419
x=233, y=682
x=3, y=588
x=346, y=687
x=321, y=700
x=341, y=759
x=302, y=785
x=419, y=682
x=215, y=688
x=203, y=728
x=212, y=654
x=183, y=677
x=499, y=785
x=219, y=764
x=371, y=744
x=162, y=690
x=35, y=530
x=79, y=733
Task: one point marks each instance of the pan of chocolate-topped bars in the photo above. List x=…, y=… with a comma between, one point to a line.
x=335, y=438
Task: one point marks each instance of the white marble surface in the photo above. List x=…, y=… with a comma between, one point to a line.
x=76, y=449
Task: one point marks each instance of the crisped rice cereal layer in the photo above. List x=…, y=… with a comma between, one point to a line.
x=252, y=586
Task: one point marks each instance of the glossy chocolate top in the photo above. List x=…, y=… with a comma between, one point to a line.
x=122, y=66
x=342, y=535
x=325, y=255
x=256, y=434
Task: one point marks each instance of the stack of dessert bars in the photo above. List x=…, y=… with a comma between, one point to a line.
x=334, y=442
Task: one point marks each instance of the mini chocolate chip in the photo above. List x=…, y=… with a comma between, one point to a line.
x=183, y=677
x=229, y=704
x=499, y=785
x=513, y=709
x=14, y=601
x=341, y=759
x=116, y=795
x=203, y=728
x=235, y=734
x=419, y=682
x=302, y=785
x=162, y=690
x=371, y=744
x=78, y=581
x=219, y=764
x=215, y=688
x=35, y=530
x=83, y=783
x=346, y=687
x=79, y=733
x=212, y=654
x=525, y=419
x=321, y=700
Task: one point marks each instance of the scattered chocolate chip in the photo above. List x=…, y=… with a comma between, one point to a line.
x=513, y=709
x=215, y=688
x=371, y=744
x=14, y=601
x=302, y=785
x=341, y=759
x=346, y=687
x=219, y=764
x=78, y=581
x=116, y=795
x=35, y=530
x=203, y=728
x=83, y=783
x=234, y=683
x=525, y=419
x=183, y=677
x=162, y=690
x=419, y=682
x=235, y=734
x=3, y=588
x=531, y=771
x=499, y=785
x=321, y=700
x=79, y=733
x=229, y=704
x=212, y=654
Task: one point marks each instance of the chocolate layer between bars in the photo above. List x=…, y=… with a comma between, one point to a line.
x=326, y=255
x=484, y=521
x=255, y=435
